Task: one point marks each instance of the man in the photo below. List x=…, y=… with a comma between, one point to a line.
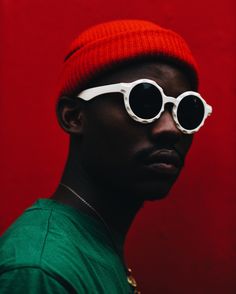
x=128, y=100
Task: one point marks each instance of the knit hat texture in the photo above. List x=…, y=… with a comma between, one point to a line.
x=106, y=45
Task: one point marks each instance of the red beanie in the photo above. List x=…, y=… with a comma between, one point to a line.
x=105, y=45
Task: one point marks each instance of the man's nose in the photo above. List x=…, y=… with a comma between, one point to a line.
x=165, y=129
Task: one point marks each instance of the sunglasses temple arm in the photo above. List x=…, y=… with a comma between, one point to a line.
x=209, y=109
x=96, y=91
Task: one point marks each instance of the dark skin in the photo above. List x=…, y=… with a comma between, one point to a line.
x=107, y=148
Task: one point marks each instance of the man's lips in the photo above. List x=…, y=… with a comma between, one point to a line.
x=164, y=161
x=166, y=156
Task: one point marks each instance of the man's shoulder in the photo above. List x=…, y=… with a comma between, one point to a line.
x=54, y=238
x=58, y=244
x=33, y=238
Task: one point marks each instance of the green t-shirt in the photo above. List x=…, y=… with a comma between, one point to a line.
x=53, y=248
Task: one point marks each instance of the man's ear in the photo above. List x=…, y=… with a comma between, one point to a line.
x=70, y=115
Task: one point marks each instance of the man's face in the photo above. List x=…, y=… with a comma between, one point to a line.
x=143, y=160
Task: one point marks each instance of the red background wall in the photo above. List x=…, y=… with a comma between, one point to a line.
x=183, y=244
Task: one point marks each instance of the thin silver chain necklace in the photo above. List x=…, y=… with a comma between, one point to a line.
x=130, y=278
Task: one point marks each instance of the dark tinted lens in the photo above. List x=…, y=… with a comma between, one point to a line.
x=145, y=100
x=190, y=112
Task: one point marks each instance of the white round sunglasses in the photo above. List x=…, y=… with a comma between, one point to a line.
x=145, y=101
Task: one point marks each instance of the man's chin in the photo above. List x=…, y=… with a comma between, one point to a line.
x=154, y=190
x=152, y=196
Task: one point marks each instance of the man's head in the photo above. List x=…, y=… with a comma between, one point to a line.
x=114, y=150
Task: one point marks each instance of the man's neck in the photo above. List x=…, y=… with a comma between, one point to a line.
x=114, y=208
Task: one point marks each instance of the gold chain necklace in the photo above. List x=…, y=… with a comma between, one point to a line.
x=131, y=280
